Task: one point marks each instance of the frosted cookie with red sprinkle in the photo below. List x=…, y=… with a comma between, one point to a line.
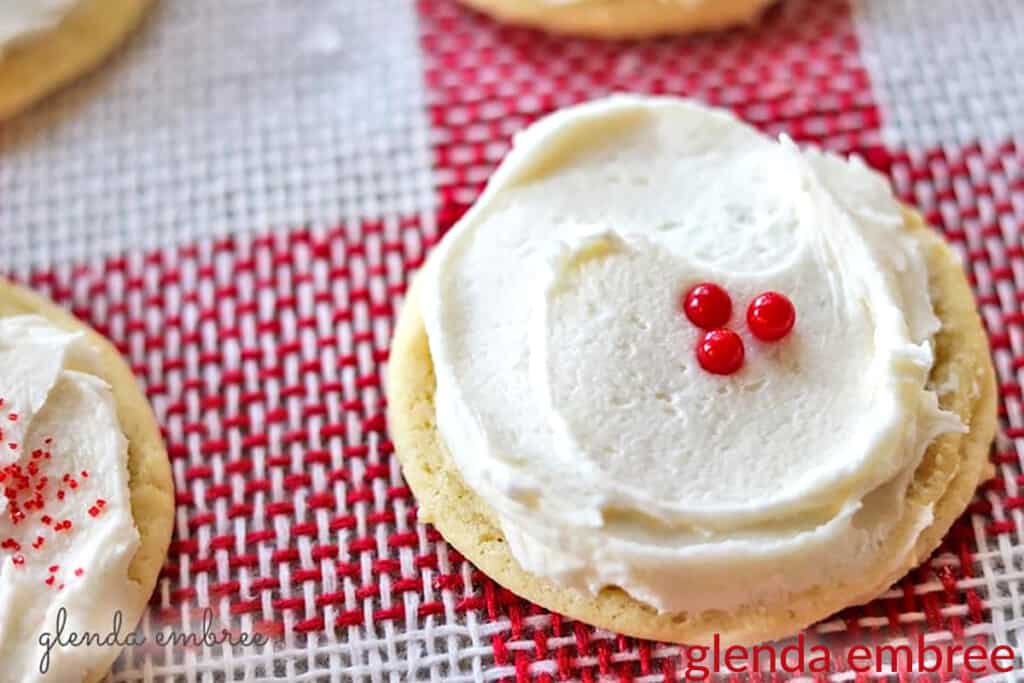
x=675, y=378
x=86, y=506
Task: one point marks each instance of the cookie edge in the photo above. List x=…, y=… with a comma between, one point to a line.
x=623, y=21
x=40, y=64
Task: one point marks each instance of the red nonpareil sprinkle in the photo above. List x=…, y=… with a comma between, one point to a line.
x=79, y=571
x=38, y=542
x=707, y=305
x=57, y=526
x=771, y=316
x=94, y=511
x=101, y=502
x=13, y=417
x=85, y=474
x=720, y=352
x=48, y=440
x=18, y=560
x=65, y=478
x=73, y=484
x=54, y=568
x=66, y=524
x=60, y=495
x=46, y=519
x=49, y=580
x=12, y=445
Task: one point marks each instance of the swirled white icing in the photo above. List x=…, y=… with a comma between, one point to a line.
x=66, y=526
x=569, y=395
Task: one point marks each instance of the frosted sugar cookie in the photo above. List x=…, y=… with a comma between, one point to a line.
x=87, y=506
x=674, y=378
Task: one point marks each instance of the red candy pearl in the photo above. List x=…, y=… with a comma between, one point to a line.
x=720, y=352
x=708, y=306
x=770, y=316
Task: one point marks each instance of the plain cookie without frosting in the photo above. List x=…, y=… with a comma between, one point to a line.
x=624, y=18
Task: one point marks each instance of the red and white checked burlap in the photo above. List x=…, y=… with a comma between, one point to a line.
x=239, y=199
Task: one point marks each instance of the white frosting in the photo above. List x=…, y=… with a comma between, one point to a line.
x=47, y=380
x=568, y=391
x=21, y=18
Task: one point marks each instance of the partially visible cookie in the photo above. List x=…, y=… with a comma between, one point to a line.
x=37, y=64
x=149, y=475
x=624, y=18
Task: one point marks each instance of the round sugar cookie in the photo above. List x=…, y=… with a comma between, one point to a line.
x=37, y=64
x=149, y=471
x=624, y=18
x=947, y=477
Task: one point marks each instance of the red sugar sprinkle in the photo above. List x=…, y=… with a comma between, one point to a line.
x=48, y=440
x=66, y=477
x=66, y=524
x=73, y=484
x=38, y=542
x=101, y=502
x=46, y=519
x=85, y=474
x=56, y=527
x=94, y=511
x=60, y=495
x=54, y=568
x=10, y=544
x=79, y=571
x=13, y=417
x=13, y=446
x=18, y=560
x=49, y=580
